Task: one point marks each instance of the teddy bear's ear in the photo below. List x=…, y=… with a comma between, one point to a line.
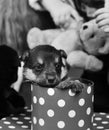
x=34, y=37
x=65, y=67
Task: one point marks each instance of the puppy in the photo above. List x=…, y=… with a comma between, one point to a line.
x=48, y=68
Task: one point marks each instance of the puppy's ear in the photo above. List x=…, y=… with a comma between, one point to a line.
x=65, y=66
x=63, y=54
x=25, y=56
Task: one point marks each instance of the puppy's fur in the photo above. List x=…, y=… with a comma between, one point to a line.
x=44, y=65
x=47, y=66
x=10, y=100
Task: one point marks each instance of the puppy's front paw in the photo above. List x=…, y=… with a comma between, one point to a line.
x=77, y=86
x=64, y=84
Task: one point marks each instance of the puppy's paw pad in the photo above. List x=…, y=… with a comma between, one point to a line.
x=77, y=87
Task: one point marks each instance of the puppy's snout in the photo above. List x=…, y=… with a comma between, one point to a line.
x=51, y=78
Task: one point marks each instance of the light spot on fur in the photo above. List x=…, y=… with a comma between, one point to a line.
x=40, y=61
x=28, y=73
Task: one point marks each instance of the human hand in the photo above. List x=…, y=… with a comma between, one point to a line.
x=63, y=14
x=102, y=18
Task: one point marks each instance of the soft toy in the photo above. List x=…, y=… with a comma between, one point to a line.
x=94, y=39
x=80, y=44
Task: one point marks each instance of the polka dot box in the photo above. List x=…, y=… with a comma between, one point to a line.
x=55, y=109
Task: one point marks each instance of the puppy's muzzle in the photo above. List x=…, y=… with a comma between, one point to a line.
x=51, y=78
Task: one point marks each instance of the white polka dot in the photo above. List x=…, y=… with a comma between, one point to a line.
x=24, y=126
x=41, y=101
x=1, y=127
x=50, y=113
x=61, y=124
x=34, y=99
x=31, y=108
x=88, y=129
x=94, y=115
x=105, y=122
x=34, y=120
x=19, y=122
x=100, y=127
x=82, y=102
x=51, y=92
x=94, y=124
x=88, y=111
x=41, y=122
x=7, y=122
x=71, y=93
x=107, y=116
x=98, y=118
x=30, y=122
x=3, y=119
x=72, y=114
x=92, y=98
x=27, y=118
x=11, y=127
x=92, y=118
x=31, y=87
x=22, y=114
x=31, y=126
x=81, y=123
x=89, y=90
x=15, y=118
x=101, y=113
x=26, y=107
x=61, y=103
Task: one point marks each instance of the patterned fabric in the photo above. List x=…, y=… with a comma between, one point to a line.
x=23, y=121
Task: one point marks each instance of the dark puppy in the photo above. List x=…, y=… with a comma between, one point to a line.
x=10, y=100
x=47, y=67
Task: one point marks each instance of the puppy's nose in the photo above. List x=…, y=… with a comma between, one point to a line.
x=51, y=78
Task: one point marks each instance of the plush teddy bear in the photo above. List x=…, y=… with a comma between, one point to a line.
x=81, y=45
x=93, y=38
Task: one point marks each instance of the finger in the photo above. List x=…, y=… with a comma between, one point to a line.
x=101, y=11
x=101, y=17
x=104, y=49
x=103, y=23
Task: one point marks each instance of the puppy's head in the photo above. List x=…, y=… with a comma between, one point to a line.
x=45, y=65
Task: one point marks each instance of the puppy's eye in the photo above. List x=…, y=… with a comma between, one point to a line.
x=38, y=67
